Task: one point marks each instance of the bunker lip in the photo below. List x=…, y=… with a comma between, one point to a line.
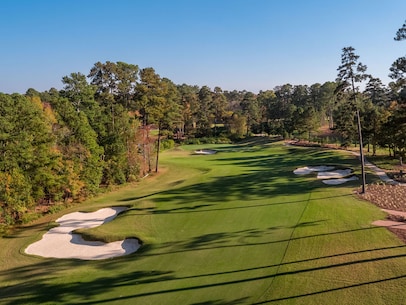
x=61, y=242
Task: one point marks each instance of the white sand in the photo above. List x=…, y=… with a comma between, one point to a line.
x=327, y=174
x=339, y=180
x=309, y=169
x=60, y=242
x=339, y=173
x=205, y=152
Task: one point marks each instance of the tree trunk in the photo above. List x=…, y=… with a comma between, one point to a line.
x=373, y=147
x=158, y=147
x=361, y=153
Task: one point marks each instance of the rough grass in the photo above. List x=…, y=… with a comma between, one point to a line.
x=237, y=227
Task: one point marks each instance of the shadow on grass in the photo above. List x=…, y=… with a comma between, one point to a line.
x=234, y=240
x=206, y=208
x=222, y=302
x=38, y=283
x=258, y=177
x=304, y=295
x=40, y=290
x=264, y=176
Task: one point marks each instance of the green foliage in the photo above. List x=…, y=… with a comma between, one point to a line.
x=81, y=152
x=210, y=140
x=109, y=127
x=28, y=162
x=167, y=144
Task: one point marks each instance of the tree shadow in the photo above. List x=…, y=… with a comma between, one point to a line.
x=265, y=176
x=245, y=238
x=39, y=282
x=261, y=175
x=304, y=295
x=39, y=291
x=222, y=302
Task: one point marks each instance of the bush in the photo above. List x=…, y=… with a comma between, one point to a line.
x=208, y=140
x=167, y=144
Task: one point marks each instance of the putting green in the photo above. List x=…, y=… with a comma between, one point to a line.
x=235, y=227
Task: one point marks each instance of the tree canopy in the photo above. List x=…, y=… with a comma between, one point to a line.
x=108, y=128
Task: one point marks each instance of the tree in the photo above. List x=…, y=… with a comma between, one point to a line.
x=327, y=101
x=401, y=33
x=376, y=92
x=351, y=72
x=82, y=96
x=189, y=105
x=28, y=161
x=150, y=96
x=116, y=85
x=126, y=76
x=397, y=120
x=219, y=107
x=78, y=142
x=165, y=112
x=398, y=68
x=78, y=91
x=237, y=125
x=374, y=111
x=250, y=109
x=265, y=102
x=205, y=114
x=398, y=72
x=393, y=131
x=282, y=109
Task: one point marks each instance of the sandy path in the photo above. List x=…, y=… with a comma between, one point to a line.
x=391, y=223
x=60, y=242
x=378, y=171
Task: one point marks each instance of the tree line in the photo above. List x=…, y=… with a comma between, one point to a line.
x=108, y=127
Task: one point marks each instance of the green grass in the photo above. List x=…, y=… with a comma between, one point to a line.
x=385, y=162
x=237, y=227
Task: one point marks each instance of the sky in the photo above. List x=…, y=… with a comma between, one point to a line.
x=248, y=45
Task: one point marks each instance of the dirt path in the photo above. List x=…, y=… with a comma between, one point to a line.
x=392, y=200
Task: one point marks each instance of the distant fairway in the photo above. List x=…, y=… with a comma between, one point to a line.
x=235, y=227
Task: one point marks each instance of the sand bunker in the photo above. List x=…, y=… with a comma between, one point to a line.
x=309, y=169
x=60, y=242
x=205, y=152
x=339, y=180
x=339, y=173
x=328, y=174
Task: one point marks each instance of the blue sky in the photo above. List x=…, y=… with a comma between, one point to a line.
x=234, y=44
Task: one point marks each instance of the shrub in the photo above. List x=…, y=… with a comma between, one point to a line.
x=167, y=144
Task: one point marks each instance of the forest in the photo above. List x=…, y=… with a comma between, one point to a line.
x=107, y=128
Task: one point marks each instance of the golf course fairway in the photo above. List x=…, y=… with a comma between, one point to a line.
x=233, y=227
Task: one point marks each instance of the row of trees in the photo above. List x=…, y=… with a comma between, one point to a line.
x=107, y=128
